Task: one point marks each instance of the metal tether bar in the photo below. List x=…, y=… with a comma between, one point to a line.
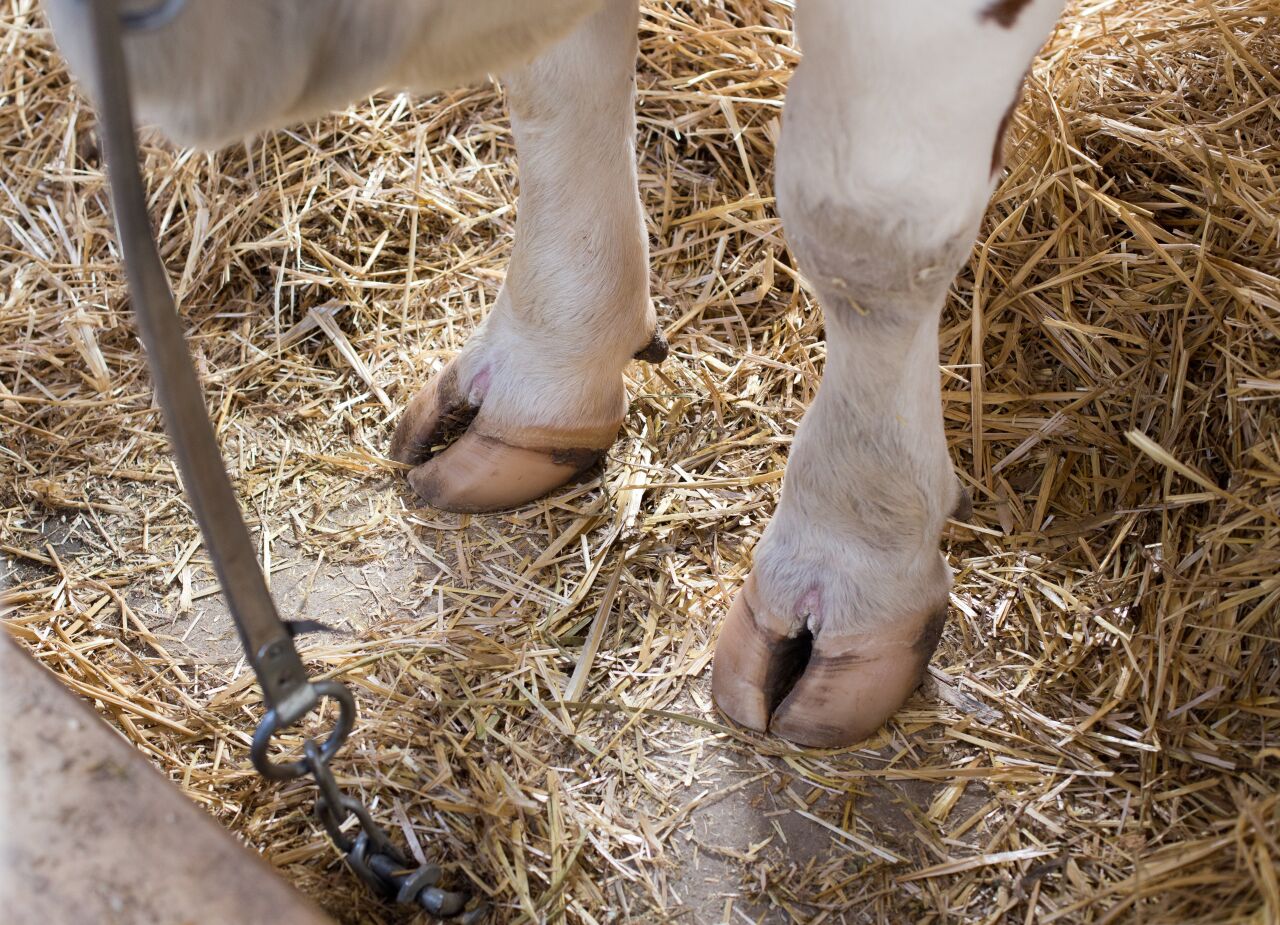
x=288, y=692
x=265, y=638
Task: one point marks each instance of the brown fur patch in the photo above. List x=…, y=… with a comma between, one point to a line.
x=1005, y=12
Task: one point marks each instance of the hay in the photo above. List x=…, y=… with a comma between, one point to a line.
x=1098, y=741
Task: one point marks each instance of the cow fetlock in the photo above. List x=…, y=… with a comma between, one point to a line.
x=848, y=591
x=536, y=397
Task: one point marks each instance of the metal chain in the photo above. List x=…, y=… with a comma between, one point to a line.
x=374, y=857
x=371, y=854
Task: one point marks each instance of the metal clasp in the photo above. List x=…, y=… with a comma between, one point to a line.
x=301, y=701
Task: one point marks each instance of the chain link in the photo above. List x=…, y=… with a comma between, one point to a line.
x=372, y=855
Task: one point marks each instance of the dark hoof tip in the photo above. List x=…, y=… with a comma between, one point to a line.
x=655, y=351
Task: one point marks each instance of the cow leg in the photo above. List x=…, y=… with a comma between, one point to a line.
x=883, y=171
x=540, y=381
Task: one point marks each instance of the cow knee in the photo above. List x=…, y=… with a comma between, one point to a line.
x=875, y=241
x=884, y=165
x=882, y=259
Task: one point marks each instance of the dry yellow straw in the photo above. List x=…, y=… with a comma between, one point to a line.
x=1100, y=737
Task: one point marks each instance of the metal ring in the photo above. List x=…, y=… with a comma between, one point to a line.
x=271, y=724
x=153, y=18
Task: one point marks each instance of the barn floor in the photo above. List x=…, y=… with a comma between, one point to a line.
x=1099, y=738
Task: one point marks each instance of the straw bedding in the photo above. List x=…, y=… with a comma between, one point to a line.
x=1099, y=738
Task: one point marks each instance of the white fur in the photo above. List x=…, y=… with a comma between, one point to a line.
x=575, y=305
x=884, y=169
x=226, y=68
x=883, y=172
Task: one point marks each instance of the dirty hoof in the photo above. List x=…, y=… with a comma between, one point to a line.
x=825, y=691
x=656, y=350
x=463, y=463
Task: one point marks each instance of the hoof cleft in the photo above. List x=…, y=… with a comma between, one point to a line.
x=827, y=691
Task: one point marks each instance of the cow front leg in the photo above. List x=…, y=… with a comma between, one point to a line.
x=536, y=396
x=890, y=141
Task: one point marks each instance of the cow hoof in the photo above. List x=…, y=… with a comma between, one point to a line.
x=827, y=690
x=465, y=461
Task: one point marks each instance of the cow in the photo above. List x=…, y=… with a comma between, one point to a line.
x=890, y=148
